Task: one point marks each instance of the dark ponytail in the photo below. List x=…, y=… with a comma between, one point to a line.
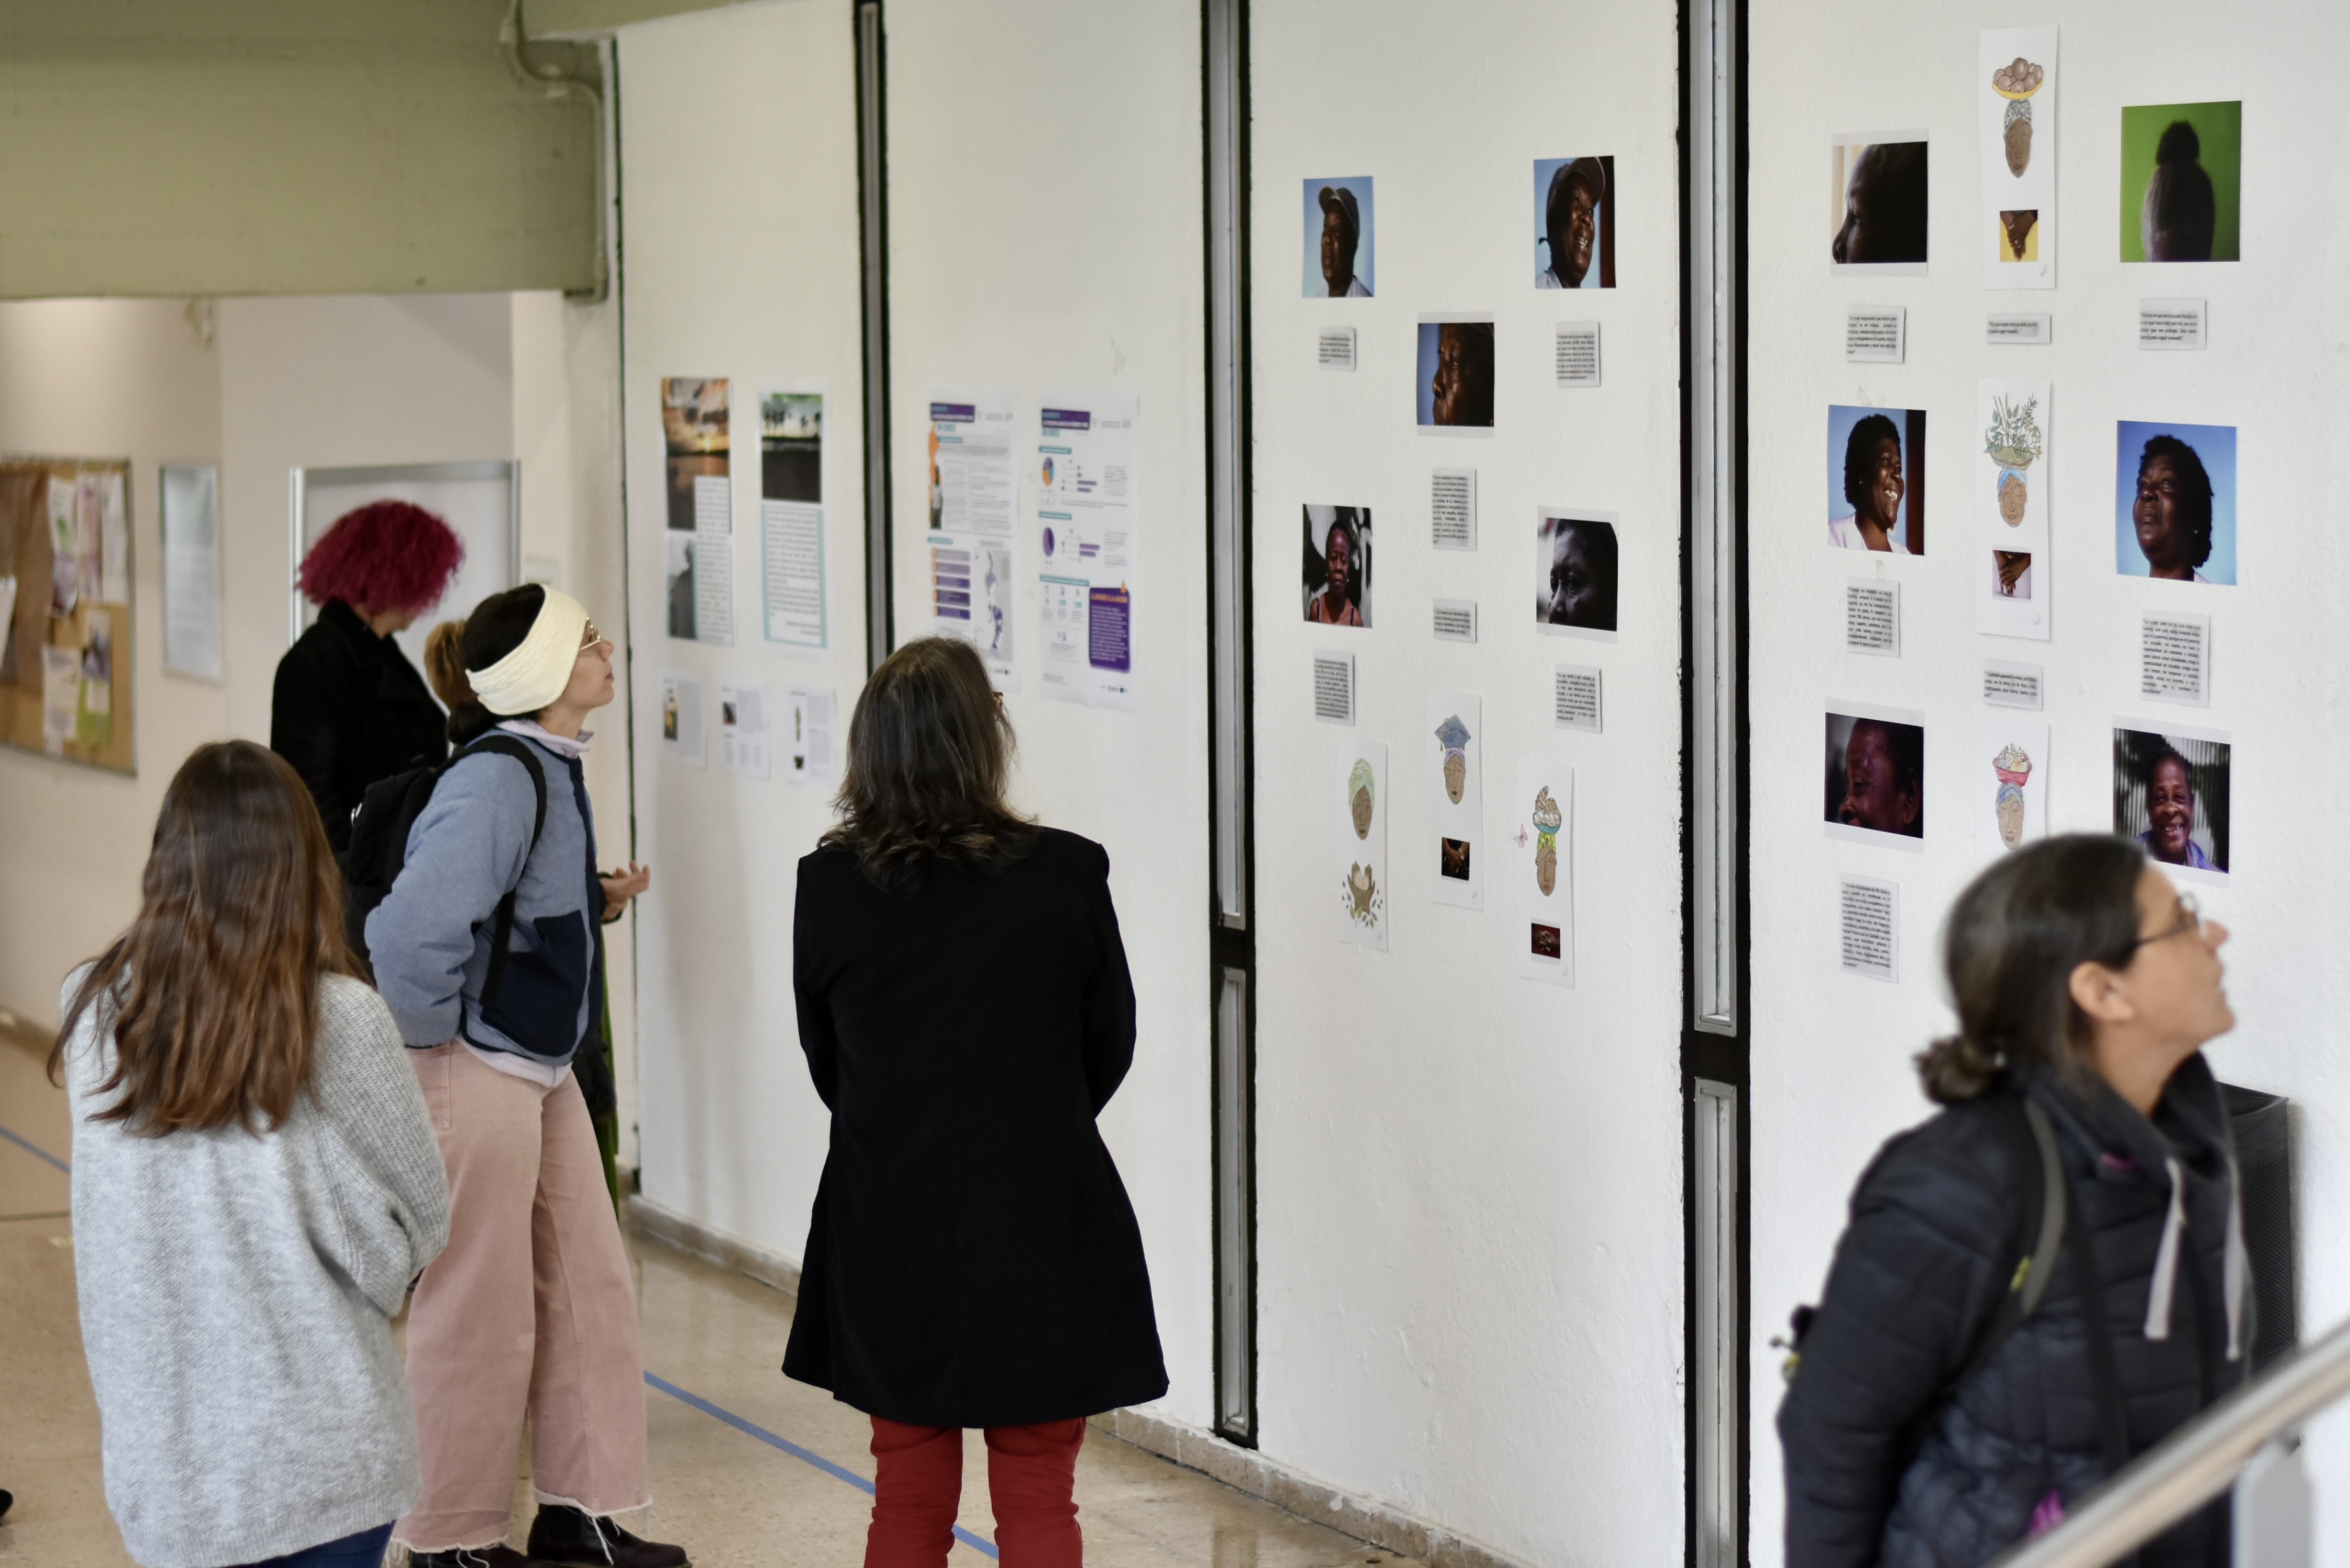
x=495, y=628
x=2014, y=938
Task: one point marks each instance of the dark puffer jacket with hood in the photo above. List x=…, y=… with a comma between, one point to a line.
x=1934, y=1239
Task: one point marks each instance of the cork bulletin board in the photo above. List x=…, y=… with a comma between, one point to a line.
x=64, y=602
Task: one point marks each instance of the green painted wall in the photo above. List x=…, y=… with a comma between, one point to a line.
x=225, y=147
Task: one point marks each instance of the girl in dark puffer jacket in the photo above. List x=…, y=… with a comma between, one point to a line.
x=2086, y=982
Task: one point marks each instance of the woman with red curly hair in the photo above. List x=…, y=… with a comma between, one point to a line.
x=348, y=708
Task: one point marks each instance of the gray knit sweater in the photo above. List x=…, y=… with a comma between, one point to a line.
x=236, y=1296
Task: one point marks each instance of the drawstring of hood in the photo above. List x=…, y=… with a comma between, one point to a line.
x=2165, y=1257
x=2235, y=1271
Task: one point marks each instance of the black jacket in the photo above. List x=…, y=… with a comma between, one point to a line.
x=348, y=710
x=972, y=1260
x=1934, y=1238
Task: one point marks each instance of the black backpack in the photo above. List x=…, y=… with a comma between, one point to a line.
x=380, y=829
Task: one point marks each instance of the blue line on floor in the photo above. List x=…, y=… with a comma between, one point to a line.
x=976, y=1543
x=35, y=1151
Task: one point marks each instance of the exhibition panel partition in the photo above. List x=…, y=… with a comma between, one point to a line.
x=1048, y=487
x=1467, y=518
x=2045, y=404
x=745, y=538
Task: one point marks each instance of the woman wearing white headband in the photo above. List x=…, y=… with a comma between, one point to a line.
x=486, y=950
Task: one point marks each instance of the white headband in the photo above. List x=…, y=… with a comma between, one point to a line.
x=536, y=672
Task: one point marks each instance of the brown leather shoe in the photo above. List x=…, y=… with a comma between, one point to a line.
x=566, y=1537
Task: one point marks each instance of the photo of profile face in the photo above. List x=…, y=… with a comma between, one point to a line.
x=1875, y=775
x=1339, y=238
x=1337, y=569
x=1456, y=374
x=1574, y=223
x=1576, y=559
x=2174, y=502
x=1880, y=203
x=2171, y=795
x=2181, y=181
x=1876, y=479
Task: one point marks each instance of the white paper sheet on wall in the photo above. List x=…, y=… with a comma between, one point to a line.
x=114, y=537
x=2010, y=567
x=1868, y=927
x=1358, y=885
x=682, y=720
x=2008, y=776
x=1542, y=836
x=2015, y=97
x=60, y=696
x=1089, y=564
x=791, y=518
x=809, y=754
x=973, y=512
x=743, y=728
x=192, y=587
x=1453, y=747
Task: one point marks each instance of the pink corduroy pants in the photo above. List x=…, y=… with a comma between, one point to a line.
x=529, y=1312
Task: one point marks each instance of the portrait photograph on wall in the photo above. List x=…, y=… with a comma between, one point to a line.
x=1574, y=223
x=1576, y=573
x=1876, y=479
x=1875, y=775
x=1337, y=577
x=1879, y=185
x=1455, y=366
x=2182, y=182
x=2171, y=795
x=2174, y=502
x=1338, y=249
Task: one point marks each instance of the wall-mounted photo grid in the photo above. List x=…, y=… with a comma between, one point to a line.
x=2178, y=184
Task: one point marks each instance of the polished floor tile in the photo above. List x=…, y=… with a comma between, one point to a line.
x=732, y=1497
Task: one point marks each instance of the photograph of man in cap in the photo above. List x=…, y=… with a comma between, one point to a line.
x=1337, y=236
x=1575, y=211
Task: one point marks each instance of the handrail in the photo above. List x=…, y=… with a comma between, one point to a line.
x=2194, y=1464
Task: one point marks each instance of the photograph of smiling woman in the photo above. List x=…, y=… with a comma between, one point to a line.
x=1876, y=479
x=2171, y=795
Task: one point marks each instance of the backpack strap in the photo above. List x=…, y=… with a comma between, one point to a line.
x=501, y=929
x=2027, y=1126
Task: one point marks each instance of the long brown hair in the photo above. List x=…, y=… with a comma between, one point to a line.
x=2014, y=938
x=930, y=754
x=212, y=993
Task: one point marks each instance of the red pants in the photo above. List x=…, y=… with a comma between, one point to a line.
x=918, y=1486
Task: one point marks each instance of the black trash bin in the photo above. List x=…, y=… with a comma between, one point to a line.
x=2264, y=1160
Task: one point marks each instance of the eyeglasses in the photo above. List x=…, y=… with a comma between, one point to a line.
x=590, y=637
x=2190, y=918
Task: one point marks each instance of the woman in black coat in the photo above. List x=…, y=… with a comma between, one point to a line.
x=348, y=709
x=966, y=1011
x=1925, y=1425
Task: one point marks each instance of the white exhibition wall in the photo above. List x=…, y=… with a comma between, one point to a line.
x=1452, y=1244
x=1830, y=1050
x=1059, y=254
x=1470, y=1183
x=740, y=257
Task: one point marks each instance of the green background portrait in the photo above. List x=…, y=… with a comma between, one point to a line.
x=2220, y=128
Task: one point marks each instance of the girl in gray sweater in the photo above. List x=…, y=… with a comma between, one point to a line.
x=255, y=1185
